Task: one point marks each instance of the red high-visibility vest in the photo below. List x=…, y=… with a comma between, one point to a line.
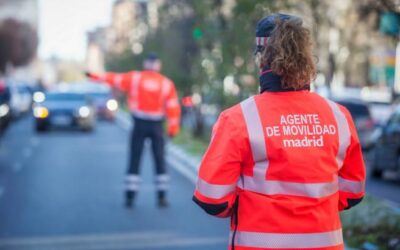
x=151, y=95
x=291, y=161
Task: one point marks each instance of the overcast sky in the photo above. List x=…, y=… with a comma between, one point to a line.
x=63, y=25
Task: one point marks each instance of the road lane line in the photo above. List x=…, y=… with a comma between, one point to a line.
x=182, y=169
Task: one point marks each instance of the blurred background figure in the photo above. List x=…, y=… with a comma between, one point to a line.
x=152, y=97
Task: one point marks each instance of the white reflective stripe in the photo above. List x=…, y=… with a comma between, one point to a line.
x=288, y=240
x=258, y=182
x=133, y=178
x=172, y=103
x=256, y=137
x=132, y=187
x=166, y=87
x=135, y=89
x=272, y=187
x=162, y=187
x=118, y=80
x=154, y=116
x=343, y=132
x=261, y=41
x=214, y=191
x=350, y=186
x=162, y=178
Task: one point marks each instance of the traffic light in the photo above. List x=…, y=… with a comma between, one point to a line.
x=197, y=33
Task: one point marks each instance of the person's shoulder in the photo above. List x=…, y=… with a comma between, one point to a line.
x=234, y=114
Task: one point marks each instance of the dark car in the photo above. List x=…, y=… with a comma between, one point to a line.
x=5, y=111
x=105, y=104
x=102, y=96
x=64, y=109
x=386, y=152
x=362, y=119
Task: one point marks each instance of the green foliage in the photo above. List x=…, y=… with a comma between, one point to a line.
x=372, y=222
x=202, y=42
x=192, y=145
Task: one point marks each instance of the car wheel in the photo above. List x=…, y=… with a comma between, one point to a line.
x=41, y=128
x=88, y=128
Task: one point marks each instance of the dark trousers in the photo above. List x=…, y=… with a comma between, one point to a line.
x=154, y=131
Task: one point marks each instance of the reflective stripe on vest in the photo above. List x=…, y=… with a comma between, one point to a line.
x=269, y=187
x=343, y=131
x=214, y=191
x=350, y=186
x=258, y=182
x=256, y=137
x=153, y=116
x=288, y=240
x=135, y=90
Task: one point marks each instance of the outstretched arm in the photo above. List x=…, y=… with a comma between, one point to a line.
x=115, y=80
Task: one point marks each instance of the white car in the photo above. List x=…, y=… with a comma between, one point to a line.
x=21, y=99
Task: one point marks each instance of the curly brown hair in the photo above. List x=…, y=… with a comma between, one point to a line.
x=289, y=54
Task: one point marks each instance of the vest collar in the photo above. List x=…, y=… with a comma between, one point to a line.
x=271, y=82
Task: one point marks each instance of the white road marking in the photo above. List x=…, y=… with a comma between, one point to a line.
x=17, y=166
x=140, y=240
x=182, y=169
x=124, y=121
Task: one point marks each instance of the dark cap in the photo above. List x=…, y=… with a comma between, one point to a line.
x=267, y=24
x=152, y=57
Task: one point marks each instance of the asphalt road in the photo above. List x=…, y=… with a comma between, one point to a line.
x=64, y=190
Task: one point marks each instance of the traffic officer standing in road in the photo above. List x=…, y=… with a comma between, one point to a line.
x=283, y=163
x=151, y=98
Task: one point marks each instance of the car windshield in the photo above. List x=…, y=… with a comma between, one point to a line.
x=99, y=94
x=64, y=97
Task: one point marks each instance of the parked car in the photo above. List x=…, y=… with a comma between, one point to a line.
x=386, y=152
x=363, y=121
x=21, y=99
x=64, y=109
x=5, y=114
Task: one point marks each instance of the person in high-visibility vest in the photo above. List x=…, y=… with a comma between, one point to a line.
x=283, y=164
x=152, y=97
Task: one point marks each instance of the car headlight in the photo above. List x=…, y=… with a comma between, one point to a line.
x=39, y=97
x=40, y=112
x=112, y=105
x=4, y=109
x=84, y=111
